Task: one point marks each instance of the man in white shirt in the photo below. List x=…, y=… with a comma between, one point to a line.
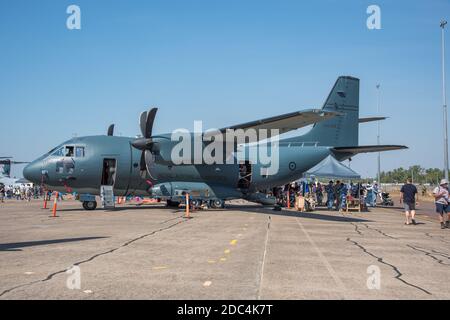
x=442, y=201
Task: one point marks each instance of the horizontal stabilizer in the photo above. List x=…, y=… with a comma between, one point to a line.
x=366, y=149
x=371, y=119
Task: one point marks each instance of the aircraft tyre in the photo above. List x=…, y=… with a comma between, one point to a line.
x=217, y=204
x=89, y=205
x=196, y=203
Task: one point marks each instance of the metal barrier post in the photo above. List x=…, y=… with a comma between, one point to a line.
x=55, y=204
x=187, y=206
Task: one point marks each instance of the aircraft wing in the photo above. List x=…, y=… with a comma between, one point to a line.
x=285, y=122
x=12, y=162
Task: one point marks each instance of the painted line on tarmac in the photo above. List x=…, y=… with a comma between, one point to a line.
x=263, y=262
x=160, y=268
x=330, y=269
x=207, y=284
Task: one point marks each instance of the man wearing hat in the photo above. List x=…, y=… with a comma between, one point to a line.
x=410, y=198
x=441, y=196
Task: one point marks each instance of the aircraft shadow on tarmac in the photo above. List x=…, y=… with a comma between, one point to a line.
x=122, y=208
x=249, y=208
x=17, y=245
x=297, y=214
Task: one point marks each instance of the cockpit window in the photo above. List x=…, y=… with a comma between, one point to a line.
x=79, y=152
x=59, y=152
x=69, y=151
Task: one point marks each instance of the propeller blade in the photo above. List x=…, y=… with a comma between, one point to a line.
x=142, y=122
x=149, y=122
x=150, y=161
x=111, y=130
x=143, y=165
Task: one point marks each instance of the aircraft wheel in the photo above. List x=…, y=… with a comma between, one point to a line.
x=90, y=205
x=218, y=203
x=195, y=203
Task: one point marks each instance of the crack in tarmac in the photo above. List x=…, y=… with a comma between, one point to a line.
x=396, y=270
x=445, y=255
x=379, y=231
x=436, y=237
x=357, y=229
x=410, y=246
x=50, y=276
x=429, y=254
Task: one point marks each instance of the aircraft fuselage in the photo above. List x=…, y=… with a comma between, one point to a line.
x=79, y=165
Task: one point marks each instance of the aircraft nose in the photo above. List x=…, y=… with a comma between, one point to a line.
x=32, y=172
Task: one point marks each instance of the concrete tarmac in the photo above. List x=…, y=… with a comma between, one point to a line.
x=242, y=252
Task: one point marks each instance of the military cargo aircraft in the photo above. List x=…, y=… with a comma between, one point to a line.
x=145, y=165
x=5, y=170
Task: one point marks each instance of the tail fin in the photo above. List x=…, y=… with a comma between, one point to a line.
x=342, y=130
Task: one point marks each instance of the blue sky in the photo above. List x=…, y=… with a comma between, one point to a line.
x=220, y=61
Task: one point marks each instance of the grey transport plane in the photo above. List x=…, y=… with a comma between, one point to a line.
x=144, y=166
x=5, y=170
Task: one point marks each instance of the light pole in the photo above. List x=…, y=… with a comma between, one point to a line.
x=378, y=135
x=444, y=99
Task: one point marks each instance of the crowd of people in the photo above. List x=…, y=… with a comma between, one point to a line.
x=336, y=193
x=369, y=195
x=20, y=192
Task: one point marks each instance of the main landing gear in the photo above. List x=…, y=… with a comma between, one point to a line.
x=197, y=203
x=217, y=204
x=89, y=205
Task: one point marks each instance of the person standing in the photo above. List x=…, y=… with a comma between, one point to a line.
x=410, y=198
x=337, y=194
x=441, y=196
x=2, y=193
x=329, y=189
x=376, y=193
x=343, y=191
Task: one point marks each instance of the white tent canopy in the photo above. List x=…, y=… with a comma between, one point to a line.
x=331, y=168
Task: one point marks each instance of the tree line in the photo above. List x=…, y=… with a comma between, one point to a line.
x=418, y=174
